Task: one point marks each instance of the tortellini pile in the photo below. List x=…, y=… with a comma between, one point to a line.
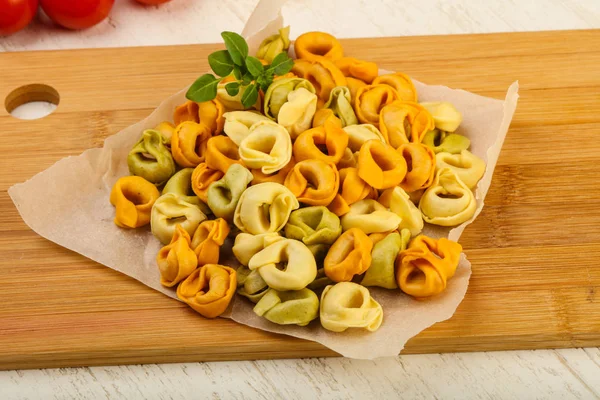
x=323, y=194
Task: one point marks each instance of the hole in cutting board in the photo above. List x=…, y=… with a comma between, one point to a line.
x=32, y=101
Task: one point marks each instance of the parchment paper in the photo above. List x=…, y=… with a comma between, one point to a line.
x=68, y=204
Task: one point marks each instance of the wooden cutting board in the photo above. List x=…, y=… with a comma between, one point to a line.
x=535, y=248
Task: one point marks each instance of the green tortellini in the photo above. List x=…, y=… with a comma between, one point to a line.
x=250, y=284
x=277, y=94
x=340, y=103
x=181, y=185
x=151, y=159
x=274, y=44
x=170, y=210
x=321, y=281
x=383, y=256
x=313, y=225
x=224, y=194
x=288, y=308
x=441, y=141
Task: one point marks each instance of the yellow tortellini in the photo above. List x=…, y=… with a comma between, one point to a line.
x=265, y=207
x=268, y=146
x=399, y=202
x=339, y=102
x=349, y=305
x=224, y=194
x=238, y=123
x=383, y=257
x=247, y=245
x=294, y=307
x=359, y=134
x=297, y=113
x=250, y=284
x=370, y=216
x=170, y=210
x=440, y=141
x=445, y=116
x=278, y=92
x=313, y=226
x=448, y=201
x=467, y=166
x=297, y=261
x=274, y=44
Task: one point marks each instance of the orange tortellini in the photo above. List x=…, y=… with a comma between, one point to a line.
x=421, y=171
x=322, y=73
x=380, y=165
x=313, y=182
x=404, y=121
x=352, y=189
x=349, y=255
x=208, y=113
x=208, y=239
x=366, y=71
x=209, y=289
x=314, y=45
x=370, y=100
x=133, y=198
x=221, y=153
x=188, y=143
x=202, y=177
x=401, y=83
x=176, y=261
x=331, y=136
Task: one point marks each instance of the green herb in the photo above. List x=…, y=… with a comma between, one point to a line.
x=248, y=71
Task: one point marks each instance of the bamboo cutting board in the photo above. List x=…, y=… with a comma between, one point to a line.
x=535, y=248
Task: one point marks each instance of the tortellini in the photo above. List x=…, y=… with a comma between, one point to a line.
x=445, y=115
x=251, y=285
x=348, y=160
x=221, y=153
x=133, y=198
x=370, y=100
x=352, y=189
x=202, y=177
x=274, y=44
x=424, y=268
x=340, y=103
x=322, y=73
x=278, y=177
x=234, y=103
x=399, y=202
x=166, y=130
x=151, y=159
x=221, y=283
x=380, y=165
x=263, y=208
x=267, y=147
x=313, y=182
x=385, y=250
x=349, y=255
x=371, y=217
x=422, y=166
x=188, y=143
x=331, y=136
x=247, y=245
x=446, y=142
x=404, y=121
x=298, y=263
x=354, y=85
x=401, y=83
x=366, y=71
x=176, y=261
x=313, y=45
x=297, y=113
x=448, y=201
x=313, y=226
x=359, y=134
x=295, y=307
x=181, y=185
x=349, y=305
x=466, y=165
x=208, y=239
x=278, y=94
x=208, y=113
x=170, y=210
x=224, y=194
x=238, y=123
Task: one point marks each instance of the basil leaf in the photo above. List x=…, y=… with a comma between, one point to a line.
x=250, y=95
x=254, y=66
x=281, y=64
x=203, y=89
x=232, y=88
x=246, y=79
x=236, y=46
x=221, y=63
x=237, y=72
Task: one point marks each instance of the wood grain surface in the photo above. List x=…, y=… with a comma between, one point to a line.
x=534, y=248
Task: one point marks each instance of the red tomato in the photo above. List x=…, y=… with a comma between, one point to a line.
x=152, y=2
x=16, y=15
x=77, y=14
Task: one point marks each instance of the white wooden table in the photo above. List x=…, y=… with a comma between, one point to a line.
x=550, y=374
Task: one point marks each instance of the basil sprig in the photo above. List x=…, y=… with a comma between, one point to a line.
x=248, y=71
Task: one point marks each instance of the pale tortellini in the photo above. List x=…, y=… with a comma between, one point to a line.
x=297, y=261
x=467, y=166
x=238, y=123
x=385, y=251
x=440, y=141
x=265, y=207
x=349, y=305
x=294, y=307
x=267, y=147
x=224, y=194
x=277, y=94
x=170, y=210
x=247, y=245
x=399, y=202
x=359, y=134
x=370, y=217
x=448, y=201
x=339, y=102
x=313, y=226
x=297, y=113
x=445, y=116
